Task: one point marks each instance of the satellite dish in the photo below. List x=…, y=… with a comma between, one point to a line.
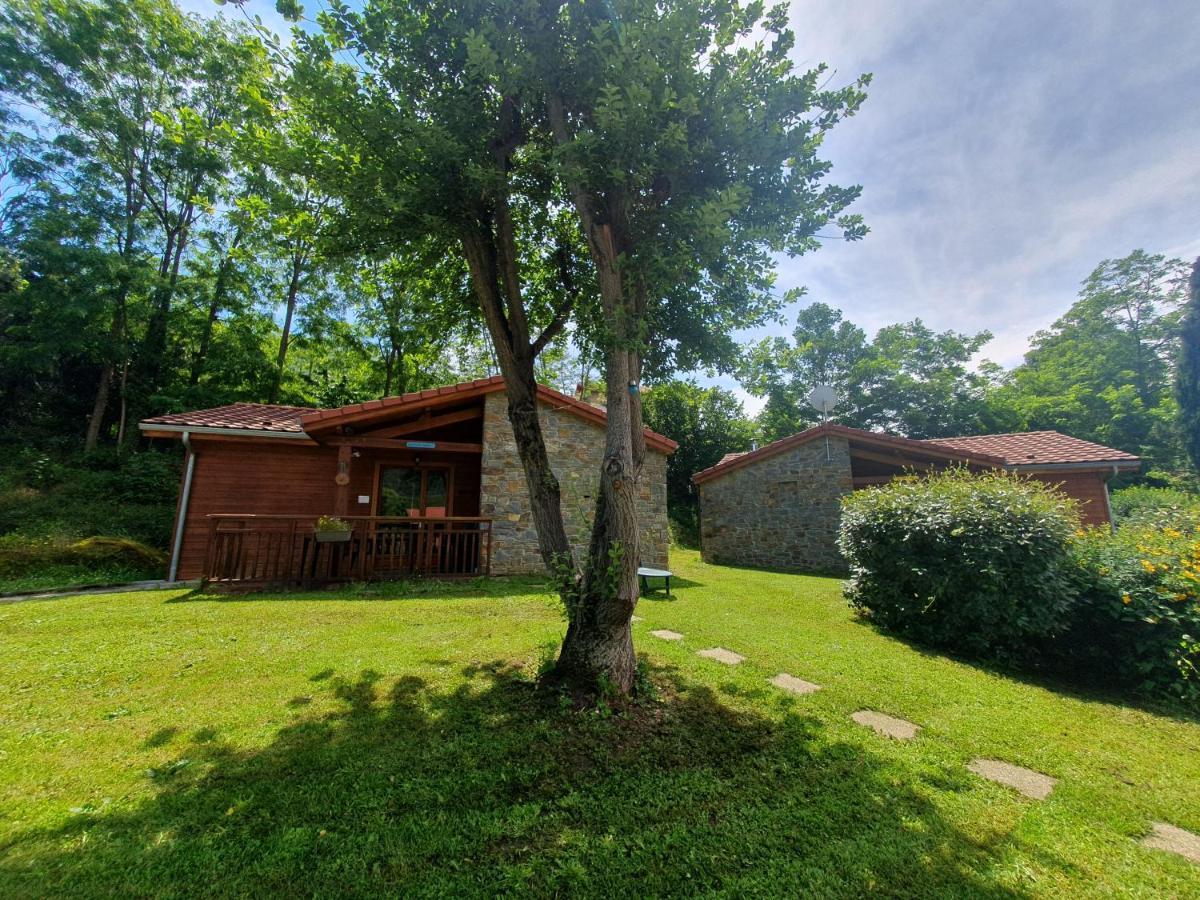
x=823, y=398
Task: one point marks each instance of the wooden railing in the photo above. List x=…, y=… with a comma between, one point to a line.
x=255, y=550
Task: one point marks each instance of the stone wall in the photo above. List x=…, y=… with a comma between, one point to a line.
x=576, y=449
x=781, y=512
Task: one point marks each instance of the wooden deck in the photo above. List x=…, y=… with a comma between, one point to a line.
x=253, y=551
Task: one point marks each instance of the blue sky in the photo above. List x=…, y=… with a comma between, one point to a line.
x=1004, y=150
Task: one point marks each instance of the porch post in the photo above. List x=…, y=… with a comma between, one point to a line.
x=341, y=501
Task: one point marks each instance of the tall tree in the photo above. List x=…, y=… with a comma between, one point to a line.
x=1103, y=371
x=1187, y=375
x=707, y=423
x=908, y=379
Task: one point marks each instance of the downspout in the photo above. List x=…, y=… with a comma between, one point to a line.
x=1112, y=525
x=181, y=521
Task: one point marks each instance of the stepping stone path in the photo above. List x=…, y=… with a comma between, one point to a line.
x=794, y=685
x=635, y=618
x=1173, y=840
x=1030, y=783
x=667, y=635
x=888, y=726
x=720, y=654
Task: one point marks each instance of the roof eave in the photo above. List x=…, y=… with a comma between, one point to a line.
x=158, y=429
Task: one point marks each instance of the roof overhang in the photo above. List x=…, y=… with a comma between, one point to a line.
x=907, y=447
x=1092, y=465
x=153, y=429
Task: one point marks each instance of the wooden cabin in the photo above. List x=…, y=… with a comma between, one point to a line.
x=780, y=505
x=429, y=483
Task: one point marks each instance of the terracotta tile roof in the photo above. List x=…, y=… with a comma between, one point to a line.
x=1032, y=448
x=730, y=457
x=253, y=416
x=299, y=420
x=732, y=461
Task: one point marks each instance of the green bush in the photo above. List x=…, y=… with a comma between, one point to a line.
x=1155, y=506
x=1138, y=619
x=68, y=498
x=973, y=563
x=30, y=564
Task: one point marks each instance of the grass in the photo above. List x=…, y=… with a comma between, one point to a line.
x=390, y=740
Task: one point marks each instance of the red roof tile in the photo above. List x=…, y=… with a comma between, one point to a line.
x=1032, y=448
x=251, y=416
x=299, y=420
x=1029, y=449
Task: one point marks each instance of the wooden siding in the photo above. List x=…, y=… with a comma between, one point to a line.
x=1086, y=488
x=275, y=477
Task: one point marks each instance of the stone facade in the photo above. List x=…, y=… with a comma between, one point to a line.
x=576, y=450
x=781, y=512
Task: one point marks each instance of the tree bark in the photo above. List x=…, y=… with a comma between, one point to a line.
x=598, y=647
x=220, y=289
x=516, y=365
x=292, y=292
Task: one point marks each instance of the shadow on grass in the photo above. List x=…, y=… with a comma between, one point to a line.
x=1089, y=684
x=492, y=789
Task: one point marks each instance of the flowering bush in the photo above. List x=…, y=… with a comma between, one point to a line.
x=1139, y=609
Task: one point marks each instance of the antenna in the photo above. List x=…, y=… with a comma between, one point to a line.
x=824, y=398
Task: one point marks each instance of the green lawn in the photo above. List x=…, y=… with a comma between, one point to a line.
x=390, y=740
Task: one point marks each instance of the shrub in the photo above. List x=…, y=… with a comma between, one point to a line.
x=1157, y=506
x=1138, y=619
x=974, y=563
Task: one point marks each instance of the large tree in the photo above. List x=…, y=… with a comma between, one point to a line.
x=907, y=379
x=680, y=142
x=1103, y=371
x=1187, y=376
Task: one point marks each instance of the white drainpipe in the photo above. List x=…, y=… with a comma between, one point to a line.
x=177, y=548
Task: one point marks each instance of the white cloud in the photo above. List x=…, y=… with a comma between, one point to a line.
x=1005, y=149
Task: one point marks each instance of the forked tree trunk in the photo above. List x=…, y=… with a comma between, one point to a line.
x=598, y=647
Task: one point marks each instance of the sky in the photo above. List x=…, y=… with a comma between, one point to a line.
x=1004, y=150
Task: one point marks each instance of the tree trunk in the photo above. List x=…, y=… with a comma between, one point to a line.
x=293, y=291
x=598, y=647
x=515, y=360
x=99, y=408
x=220, y=289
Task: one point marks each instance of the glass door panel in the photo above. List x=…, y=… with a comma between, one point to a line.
x=437, y=493
x=399, y=492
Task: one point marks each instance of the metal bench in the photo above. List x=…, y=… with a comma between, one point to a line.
x=644, y=574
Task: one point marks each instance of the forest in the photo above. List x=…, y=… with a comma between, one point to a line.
x=180, y=229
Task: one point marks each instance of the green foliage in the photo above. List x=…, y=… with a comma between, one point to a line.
x=1102, y=371
x=331, y=524
x=1138, y=619
x=707, y=423
x=909, y=379
x=65, y=497
x=974, y=563
x=35, y=564
x=1187, y=373
x=1141, y=505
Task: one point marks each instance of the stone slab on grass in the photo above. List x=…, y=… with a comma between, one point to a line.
x=888, y=726
x=794, y=685
x=635, y=618
x=1032, y=784
x=720, y=654
x=1174, y=840
x=667, y=634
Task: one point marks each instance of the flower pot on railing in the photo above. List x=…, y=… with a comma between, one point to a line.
x=331, y=530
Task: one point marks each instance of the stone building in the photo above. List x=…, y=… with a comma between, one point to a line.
x=428, y=483
x=780, y=506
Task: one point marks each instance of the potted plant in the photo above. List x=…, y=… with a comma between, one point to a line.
x=331, y=530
